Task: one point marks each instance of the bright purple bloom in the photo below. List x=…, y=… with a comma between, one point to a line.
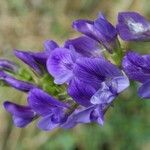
x=102, y=92
x=137, y=68
x=8, y=65
x=133, y=27
x=51, y=111
x=100, y=30
x=15, y=83
x=22, y=115
x=96, y=84
x=62, y=60
x=85, y=46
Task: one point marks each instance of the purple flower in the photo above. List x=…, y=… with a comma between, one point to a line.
x=96, y=84
x=22, y=115
x=133, y=27
x=15, y=83
x=85, y=46
x=100, y=30
x=61, y=61
x=51, y=111
x=137, y=68
x=8, y=65
x=37, y=60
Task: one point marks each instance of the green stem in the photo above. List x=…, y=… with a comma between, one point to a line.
x=117, y=54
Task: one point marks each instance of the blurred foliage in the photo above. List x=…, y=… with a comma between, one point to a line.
x=25, y=24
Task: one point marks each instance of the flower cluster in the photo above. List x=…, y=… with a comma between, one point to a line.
x=85, y=75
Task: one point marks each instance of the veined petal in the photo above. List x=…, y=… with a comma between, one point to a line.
x=95, y=70
x=85, y=46
x=60, y=65
x=81, y=92
x=42, y=103
x=144, y=90
x=133, y=27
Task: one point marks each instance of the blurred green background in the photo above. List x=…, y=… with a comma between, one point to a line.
x=25, y=24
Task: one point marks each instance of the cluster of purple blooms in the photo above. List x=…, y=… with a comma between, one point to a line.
x=81, y=65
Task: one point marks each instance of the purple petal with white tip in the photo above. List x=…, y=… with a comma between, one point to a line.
x=133, y=27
